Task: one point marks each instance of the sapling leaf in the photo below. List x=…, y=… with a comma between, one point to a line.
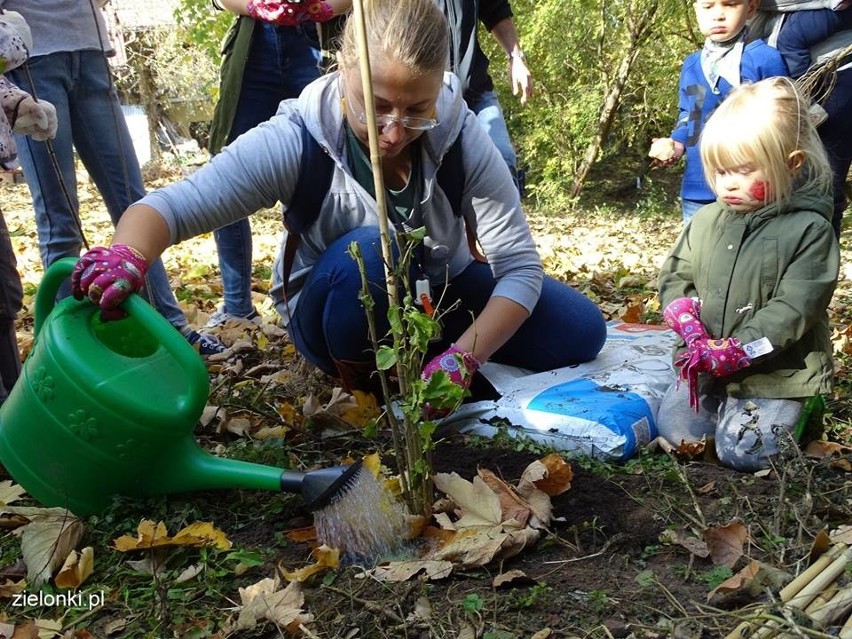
x=395, y=321
x=385, y=358
x=441, y=392
x=427, y=428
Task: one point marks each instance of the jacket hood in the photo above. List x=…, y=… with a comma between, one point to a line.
x=322, y=111
x=812, y=196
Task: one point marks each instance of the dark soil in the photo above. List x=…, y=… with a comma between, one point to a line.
x=603, y=570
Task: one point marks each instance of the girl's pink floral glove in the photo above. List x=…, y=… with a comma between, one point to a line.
x=683, y=316
x=290, y=13
x=719, y=357
x=108, y=275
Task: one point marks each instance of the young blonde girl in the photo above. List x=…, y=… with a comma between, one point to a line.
x=749, y=280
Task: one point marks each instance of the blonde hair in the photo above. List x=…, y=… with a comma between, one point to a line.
x=764, y=124
x=412, y=32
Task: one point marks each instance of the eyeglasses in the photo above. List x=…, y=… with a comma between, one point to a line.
x=385, y=120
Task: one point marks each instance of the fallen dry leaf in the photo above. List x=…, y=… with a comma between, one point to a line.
x=398, y=571
x=76, y=569
x=305, y=534
x=842, y=535
x=189, y=573
x=365, y=412
x=726, y=543
x=511, y=577
x=694, y=545
x=37, y=629
x=326, y=559
x=551, y=474
x=151, y=535
x=10, y=491
x=737, y=581
x=47, y=540
x=422, y=610
x=340, y=402
x=512, y=507
x=480, y=546
x=115, y=626
x=543, y=478
x=839, y=454
x=478, y=505
x=263, y=600
x=11, y=588
x=239, y=426
x=270, y=432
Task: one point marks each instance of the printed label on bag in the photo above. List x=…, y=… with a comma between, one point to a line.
x=758, y=347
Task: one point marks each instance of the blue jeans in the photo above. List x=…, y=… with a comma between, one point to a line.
x=487, y=108
x=90, y=120
x=282, y=62
x=690, y=208
x=330, y=323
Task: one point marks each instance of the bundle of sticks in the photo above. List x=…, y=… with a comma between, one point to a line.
x=818, y=81
x=820, y=593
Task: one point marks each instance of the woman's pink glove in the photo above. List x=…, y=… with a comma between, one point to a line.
x=459, y=366
x=108, y=275
x=290, y=13
x=683, y=316
x=719, y=357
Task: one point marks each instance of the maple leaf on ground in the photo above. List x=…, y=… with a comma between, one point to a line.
x=264, y=600
x=151, y=535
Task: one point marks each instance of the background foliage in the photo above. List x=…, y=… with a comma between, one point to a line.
x=574, y=48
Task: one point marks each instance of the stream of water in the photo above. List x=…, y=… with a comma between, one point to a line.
x=366, y=523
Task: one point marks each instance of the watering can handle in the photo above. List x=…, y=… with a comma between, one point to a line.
x=166, y=334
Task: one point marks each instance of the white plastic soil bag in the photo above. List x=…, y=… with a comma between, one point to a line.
x=605, y=408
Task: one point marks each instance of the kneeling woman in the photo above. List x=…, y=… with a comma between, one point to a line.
x=508, y=310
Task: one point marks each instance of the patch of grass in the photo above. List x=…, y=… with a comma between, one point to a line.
x=715, y=576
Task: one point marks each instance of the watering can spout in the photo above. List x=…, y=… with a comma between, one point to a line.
x=187, y=468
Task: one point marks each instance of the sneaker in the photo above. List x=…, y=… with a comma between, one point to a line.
x=207, y=344
x=220, y=318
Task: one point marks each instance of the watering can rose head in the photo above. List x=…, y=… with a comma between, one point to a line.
x=108, y=275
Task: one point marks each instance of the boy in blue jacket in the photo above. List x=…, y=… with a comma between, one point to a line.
x=804, y=37
x=724, y=62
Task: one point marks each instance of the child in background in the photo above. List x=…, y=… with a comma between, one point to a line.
x=749, y=280
x=21, y=113
x=708, y=75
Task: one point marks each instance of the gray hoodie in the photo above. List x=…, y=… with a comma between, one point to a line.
x=261, y=168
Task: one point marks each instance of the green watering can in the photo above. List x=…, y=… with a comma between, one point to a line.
x=109, y=408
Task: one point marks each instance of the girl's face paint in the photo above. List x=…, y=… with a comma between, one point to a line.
x=743, y=188
x=758, y=190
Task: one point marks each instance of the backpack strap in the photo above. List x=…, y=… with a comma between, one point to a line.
x=312, y=185
x=314, y=181
x=451, y=180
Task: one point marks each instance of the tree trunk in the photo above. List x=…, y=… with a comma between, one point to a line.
x=639, y=29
